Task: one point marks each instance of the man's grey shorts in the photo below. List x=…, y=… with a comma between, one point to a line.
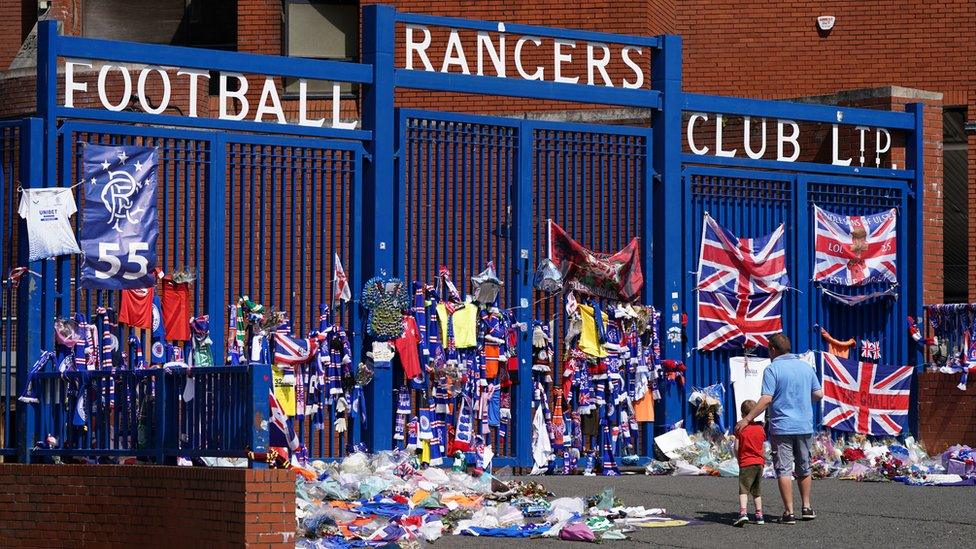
x=791, y=454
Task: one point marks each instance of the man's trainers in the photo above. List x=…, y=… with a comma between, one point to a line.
x=787, y=518
x=808, y=513
x=759, y=519
x=741, y=521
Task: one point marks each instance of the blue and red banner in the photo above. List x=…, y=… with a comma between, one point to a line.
x=119, y=224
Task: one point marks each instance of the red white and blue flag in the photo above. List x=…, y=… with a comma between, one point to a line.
x=855, y=250
x=730, y=322
x=281, y=433
x=741, y=266
x=740, y=285
x=863, y=397
x=292, y=350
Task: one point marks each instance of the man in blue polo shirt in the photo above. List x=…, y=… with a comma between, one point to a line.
x=789, y=388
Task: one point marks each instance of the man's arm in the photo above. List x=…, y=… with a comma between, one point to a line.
x=816, y=390
x=748, y=418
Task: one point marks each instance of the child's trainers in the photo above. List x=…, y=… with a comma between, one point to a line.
x=741, y=521
x=759, y=519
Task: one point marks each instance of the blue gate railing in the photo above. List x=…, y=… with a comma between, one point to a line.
x=156, y=413
x=261, y=208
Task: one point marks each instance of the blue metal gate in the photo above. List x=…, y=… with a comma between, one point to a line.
x=260, y=208
x=753, y=202
x=476, y=189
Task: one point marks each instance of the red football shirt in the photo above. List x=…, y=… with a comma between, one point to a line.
x=136, y=308
x=176, y=309
x=751, y=440
x=406, y=346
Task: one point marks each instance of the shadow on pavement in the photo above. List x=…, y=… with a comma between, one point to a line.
x=718, y=518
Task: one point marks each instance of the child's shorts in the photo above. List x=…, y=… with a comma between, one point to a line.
x=750, y=478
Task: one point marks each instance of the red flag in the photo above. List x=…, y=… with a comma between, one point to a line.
x=613, y=276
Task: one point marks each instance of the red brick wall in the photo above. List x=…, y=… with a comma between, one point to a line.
x=946, y=413
x=129, y=506
x=775, y=49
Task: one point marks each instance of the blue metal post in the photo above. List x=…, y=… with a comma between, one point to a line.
x=915, y=157
x=29, y=294
x=802, y=242
x=669, y=232
x=216, y=244
x=522, y=236
x=259, y=412
x=647, y=254
x=381, y=212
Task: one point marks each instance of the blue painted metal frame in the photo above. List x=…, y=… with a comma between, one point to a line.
x=378, y=215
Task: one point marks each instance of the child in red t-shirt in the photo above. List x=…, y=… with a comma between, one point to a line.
x=749, y=449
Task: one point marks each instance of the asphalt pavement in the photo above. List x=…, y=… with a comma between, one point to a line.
x=850, y=514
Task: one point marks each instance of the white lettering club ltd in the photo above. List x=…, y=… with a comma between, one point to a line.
x=787, y=140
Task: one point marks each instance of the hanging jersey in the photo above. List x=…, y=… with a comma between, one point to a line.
x=137, y=307
x=407, y=348
x=176, y=309
x=589, y=341
x=49, y=232
x=465, y=321
x=835, y=346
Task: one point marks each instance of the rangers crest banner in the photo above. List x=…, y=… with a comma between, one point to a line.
x=119, y=226
x=863, y=397
x=855, y=250
x=740, y=285
x=612, y=276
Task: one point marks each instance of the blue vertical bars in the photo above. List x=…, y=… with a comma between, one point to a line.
x=215, y=299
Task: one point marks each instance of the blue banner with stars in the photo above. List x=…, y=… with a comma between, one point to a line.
x=119, y=225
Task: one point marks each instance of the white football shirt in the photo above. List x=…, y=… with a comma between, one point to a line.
x=48, y=229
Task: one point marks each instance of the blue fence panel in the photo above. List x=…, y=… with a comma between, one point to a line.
x=592, y=181
x=292, y=206
x=750, y=204
x=881, y=320
x=457, y=175
x=210, y=409
x=11, y=134
x=120, y=408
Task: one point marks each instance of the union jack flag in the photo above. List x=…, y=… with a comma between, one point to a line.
x=870, y=350
x=863, y=397
x=292, y=350
x=855, y=250
x=740, y=285
x=281, y=433
x=730, y=322
x=741, y=266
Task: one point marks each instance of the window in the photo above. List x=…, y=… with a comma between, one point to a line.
x=321, y=29
x=955, y=204
x=199, y=23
